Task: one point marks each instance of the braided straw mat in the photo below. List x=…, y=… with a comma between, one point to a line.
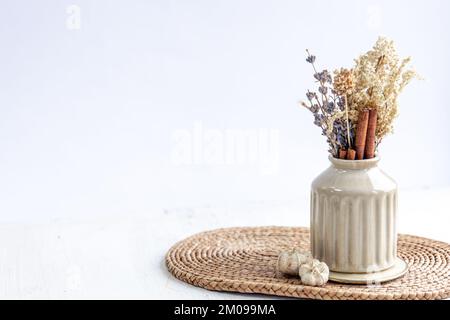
x=245, y=260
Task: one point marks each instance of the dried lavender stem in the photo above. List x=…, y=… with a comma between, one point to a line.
x=310, y=102
x=321, y=83
x=321, y=107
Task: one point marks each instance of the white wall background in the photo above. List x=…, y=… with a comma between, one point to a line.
x=88, y=116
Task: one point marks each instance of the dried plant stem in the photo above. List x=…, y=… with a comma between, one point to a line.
x=321, y=107
x=379, y=62
x=348, y=123
x=351, y=154
x=342, y=154
x=321, y=83
x=370, y=140
x=361, y=132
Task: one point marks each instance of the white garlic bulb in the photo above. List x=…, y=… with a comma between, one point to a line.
x=314, y=273
x=289, y=262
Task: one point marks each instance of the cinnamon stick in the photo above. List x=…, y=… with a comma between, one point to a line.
x=351, y=154
x=370, y=139
x=361, y=133
x=342, y=154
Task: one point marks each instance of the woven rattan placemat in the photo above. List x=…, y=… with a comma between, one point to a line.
x=244, y=260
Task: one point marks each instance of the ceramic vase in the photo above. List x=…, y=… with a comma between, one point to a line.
x=353, y=222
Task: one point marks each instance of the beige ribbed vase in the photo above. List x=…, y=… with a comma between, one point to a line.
x=353, y=221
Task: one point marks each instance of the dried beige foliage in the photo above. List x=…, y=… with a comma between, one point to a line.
x=380, y=76
x=344, y=82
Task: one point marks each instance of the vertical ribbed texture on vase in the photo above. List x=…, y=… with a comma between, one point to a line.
x=354, y=232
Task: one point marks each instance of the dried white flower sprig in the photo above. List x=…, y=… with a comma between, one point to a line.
x=380, y=76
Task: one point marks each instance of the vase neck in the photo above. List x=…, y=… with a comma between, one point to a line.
x=354, y=164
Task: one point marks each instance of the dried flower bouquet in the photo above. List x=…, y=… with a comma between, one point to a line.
x=355, y=108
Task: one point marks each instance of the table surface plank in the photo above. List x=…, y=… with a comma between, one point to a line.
x=122, y=257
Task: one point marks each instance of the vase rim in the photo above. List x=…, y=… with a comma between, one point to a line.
x=354, y=164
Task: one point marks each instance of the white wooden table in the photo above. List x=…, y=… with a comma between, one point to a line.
x=123, y=257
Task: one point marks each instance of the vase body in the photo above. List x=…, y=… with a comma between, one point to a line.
x=353, y=217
